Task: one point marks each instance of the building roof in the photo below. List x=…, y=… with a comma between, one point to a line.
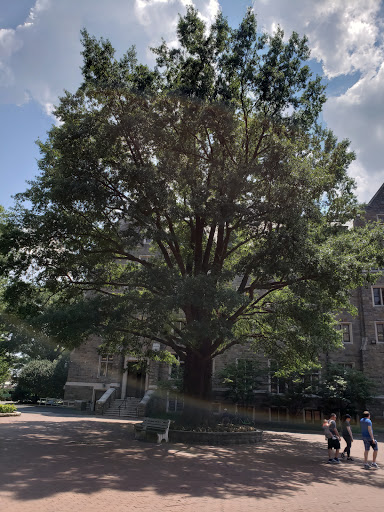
x=378, y=194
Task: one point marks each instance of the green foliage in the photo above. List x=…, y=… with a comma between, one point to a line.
x=345, y=390
x=42, y=378
x=242, y=378
x=4, y=408
x=341, y=390
x=5, y=369
x=20, y=343
x=296, y=392
x=217, y=157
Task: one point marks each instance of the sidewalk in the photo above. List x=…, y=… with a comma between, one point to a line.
x=55, y=460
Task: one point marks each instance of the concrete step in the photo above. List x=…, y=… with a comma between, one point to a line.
x=127, y=411
x=122, y=416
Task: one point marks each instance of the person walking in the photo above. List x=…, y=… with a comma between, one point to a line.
x=333, y=437
x=369, y=440
x=346, y=432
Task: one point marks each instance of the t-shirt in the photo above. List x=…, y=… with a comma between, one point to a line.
x=344, y=430
x=364, y=424
x=332, y=427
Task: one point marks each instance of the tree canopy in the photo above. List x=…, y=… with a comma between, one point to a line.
x=217, y=157
x=345, y=390
x=42, y=378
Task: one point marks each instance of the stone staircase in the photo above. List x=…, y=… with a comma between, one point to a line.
x=125, y=409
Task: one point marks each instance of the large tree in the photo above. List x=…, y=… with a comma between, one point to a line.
x=217, y=157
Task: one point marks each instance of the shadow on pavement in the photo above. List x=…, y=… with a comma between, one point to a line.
x=42, y=458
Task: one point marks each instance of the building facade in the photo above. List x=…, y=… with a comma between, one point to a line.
x=91, y=374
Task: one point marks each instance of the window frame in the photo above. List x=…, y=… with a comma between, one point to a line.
x=175, y=368
x=377, y=332
x=381, y=288
x=280, y=381
x=177, y=399
x=347, y=365
x=106, y=360
x=280, y=411
x=350, y=330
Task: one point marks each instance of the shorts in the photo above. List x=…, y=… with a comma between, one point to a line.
x=334, y=443
x=367, y=445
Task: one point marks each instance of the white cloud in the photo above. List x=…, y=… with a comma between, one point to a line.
x=359, y=116
x=342, y=34
x=41, y=58
x=346, y=36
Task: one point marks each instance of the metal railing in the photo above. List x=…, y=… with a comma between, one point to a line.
x=123, y=404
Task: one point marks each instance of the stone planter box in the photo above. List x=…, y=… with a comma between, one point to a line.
x=215, y=438
x=2, y=414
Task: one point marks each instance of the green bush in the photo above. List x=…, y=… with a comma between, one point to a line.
x=7, y=408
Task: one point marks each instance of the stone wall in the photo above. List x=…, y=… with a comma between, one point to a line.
x=84, y=381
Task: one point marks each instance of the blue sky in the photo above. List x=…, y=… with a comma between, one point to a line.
x=40, y=57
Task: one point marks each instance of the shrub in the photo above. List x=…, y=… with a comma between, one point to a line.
x=7, y=408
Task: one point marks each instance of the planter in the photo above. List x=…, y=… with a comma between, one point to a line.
x=215, y=438
x=2, y=414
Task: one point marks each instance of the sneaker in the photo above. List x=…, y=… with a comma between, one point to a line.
x=330, y=461
x=374, y=465
x=367, y=466
x=350, y=458
x=343, y=455
x=336, y=461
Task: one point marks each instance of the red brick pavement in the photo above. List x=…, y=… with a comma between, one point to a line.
x=55, y=462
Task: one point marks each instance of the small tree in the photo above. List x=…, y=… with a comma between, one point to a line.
x=345, y=390
x=42, y=378
x=299, y=393
x=242, y=378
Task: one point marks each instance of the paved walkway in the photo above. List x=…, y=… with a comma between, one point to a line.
x=58, y=461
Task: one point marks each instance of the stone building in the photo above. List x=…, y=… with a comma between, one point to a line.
x=91, y=375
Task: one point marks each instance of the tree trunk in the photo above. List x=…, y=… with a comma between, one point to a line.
x=197, y=389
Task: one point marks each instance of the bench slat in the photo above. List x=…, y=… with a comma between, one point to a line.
x=153, y=426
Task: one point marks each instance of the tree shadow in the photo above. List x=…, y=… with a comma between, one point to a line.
x=42, y=458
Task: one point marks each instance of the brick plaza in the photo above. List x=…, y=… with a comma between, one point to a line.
x=57, y=461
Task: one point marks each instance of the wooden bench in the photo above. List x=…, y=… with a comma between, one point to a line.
x=153, y=427
x=50, y=401
x=68, y=403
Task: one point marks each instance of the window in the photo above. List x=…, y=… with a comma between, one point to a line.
x=278, y=414
x=346, y=329
x=346, y=366
x=176, y=371
x=379, y=332
x=380, y=217
x=105, y=365
x=177, y=327
x=175, y=403
x=277, y=385
x=311, y=416
x=247, y=367
x=378, y=296
x=311, y=380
